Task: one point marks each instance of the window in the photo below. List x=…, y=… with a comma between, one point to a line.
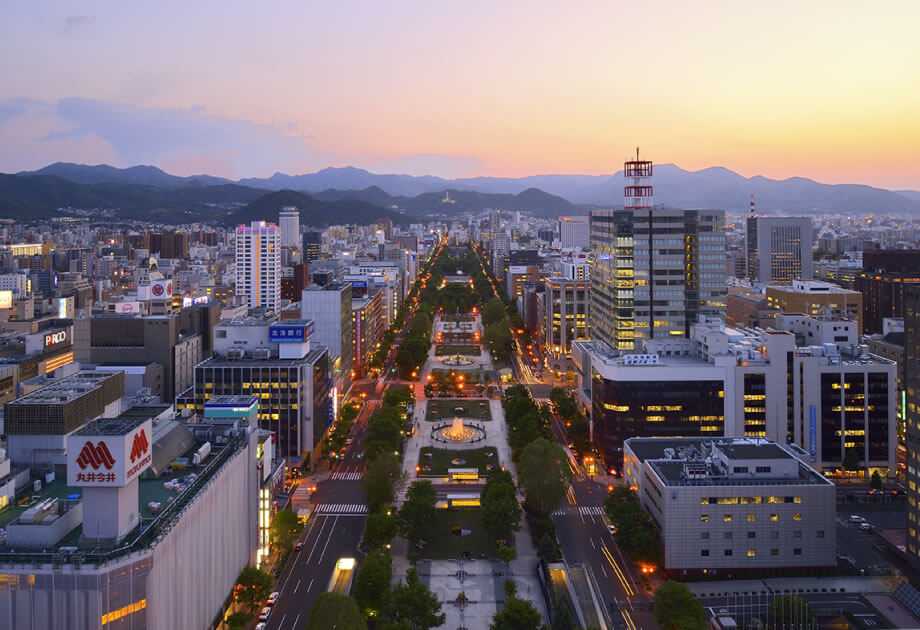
x=704, y=552
x=704, y=536
x=751, y=518
x=727, y=535
x=774, y=518
x=797, y=551
x=751, y=553
x=740, y=469
x=797, y=517
x=752, y=534
x=726, y=518
x=764, y=469
x=774, y=552
x=797, y=533
x=774, y=535
x=728, y=552
x=820, y=533
x=704, y=518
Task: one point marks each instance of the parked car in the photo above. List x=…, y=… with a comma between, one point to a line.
x=263, y=616
x=273, y=598
x=261, y=626
x=856, y=518
x=866, y=527
x=298, y=545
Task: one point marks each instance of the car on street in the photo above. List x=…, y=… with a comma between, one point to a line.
x=263, y=616
x=272, y=598
x=298, y=545
x=261, y=626
x=866, y=527
x=856, y=518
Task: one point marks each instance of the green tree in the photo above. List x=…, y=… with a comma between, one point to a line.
x=397, y=396
x=252, y=588
x=505, y=553
x=875, y=481
x=334, y=610
x=544, y=474
x=285, y=529
x=493, y=311
x=379, y=529
x=372, y=583
x=239, y=620
x=501, y=513
x=677, y=609
x=384, y=433
x=380, y=479
x=516, y=613
x=636, y=533
x=418, y=512
x=412, y=606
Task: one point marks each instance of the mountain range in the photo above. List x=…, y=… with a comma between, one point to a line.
x=352, y=195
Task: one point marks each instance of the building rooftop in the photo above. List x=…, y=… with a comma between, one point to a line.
x=113, y=426
x=316, y=352
x=64, y=390
x=228, y=400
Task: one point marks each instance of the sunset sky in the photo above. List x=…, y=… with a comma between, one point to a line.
x=827, y=90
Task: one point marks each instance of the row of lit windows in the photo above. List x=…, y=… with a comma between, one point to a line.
x=750, y=518
x=748, y=500
x=751, y=553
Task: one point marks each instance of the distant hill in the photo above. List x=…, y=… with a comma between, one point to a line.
x=141, y=175
x=714, y=187
x=313, y=211
x=34, y=196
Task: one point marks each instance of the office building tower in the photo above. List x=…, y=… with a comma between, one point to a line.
x=289, y=224
x=329, y=307
x=258, y=265
x=294, y=280
x=912, y=394
x=566, y=316
x=884, y=281
x=574, y=232
x=779, y=249
x=312, y=245
x=174, y=244
x=501, y=247
x=807, y=381
x=654, y=269
x=368, y=324
x=278, y=363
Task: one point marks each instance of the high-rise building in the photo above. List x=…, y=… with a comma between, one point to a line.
x=294, y=280
x=883, y=282
x=289, y=223
x=258, y=265
x=330, y=309
x=276, y=362
x=566, y=316
x=912, y=393
x=654, y=269
x=312, y=245
x=368, y=324
x=779, y=249
x=574, y=232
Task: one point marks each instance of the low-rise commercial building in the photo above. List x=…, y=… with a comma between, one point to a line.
x=734, y=505
x=817, y=298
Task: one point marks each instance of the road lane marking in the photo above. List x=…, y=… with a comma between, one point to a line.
x=297, y=587
x=296, y=619
x=310, y=585
x=593, y=544
x=323, y=552
x=316, y=542
x=604, y=571
x=619, y=573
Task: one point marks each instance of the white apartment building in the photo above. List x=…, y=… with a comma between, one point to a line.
x=258, y=265
x=574, y=232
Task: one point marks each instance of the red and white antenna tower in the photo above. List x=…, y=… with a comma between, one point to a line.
x=638, y=192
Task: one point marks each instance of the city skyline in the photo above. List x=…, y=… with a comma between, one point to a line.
x=778, y=91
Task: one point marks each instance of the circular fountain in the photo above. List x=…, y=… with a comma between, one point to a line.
x=457, y=360
x=458, y=432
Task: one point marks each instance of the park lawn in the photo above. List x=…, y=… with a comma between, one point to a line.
x=445, y=544
x=446, y=409
x=448, y=349
x=440, y=460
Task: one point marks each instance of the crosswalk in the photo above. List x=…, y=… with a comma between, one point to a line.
x=584, y=510
x=346, y=476
x=340, y=509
